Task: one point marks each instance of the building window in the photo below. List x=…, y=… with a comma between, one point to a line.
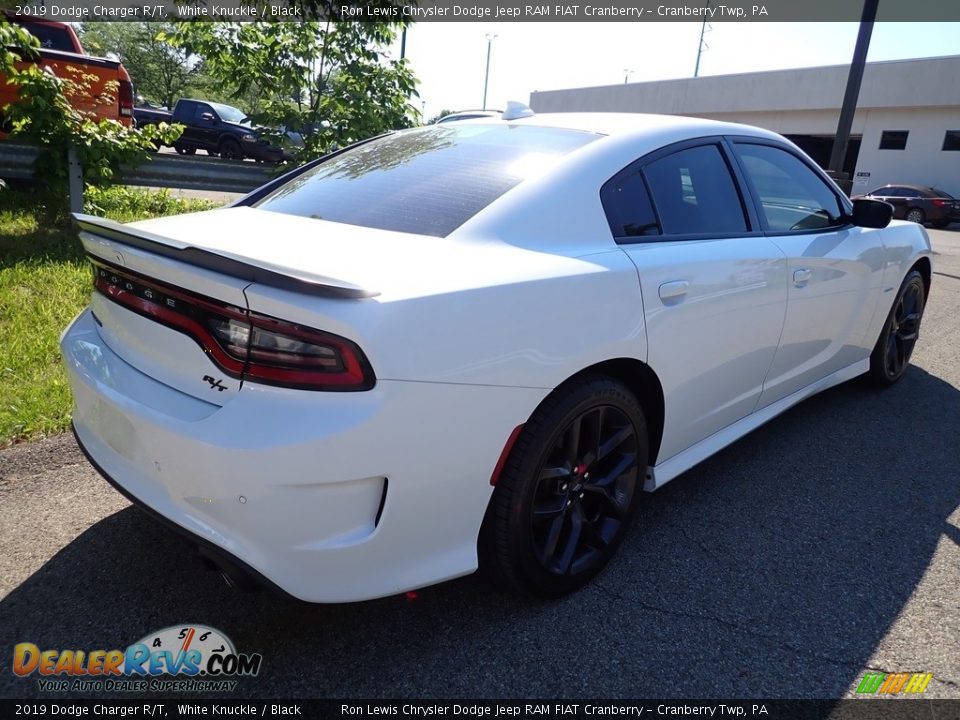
x=951, y=140
x=893, y=139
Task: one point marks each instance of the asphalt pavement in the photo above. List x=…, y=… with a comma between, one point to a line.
x=824, y=545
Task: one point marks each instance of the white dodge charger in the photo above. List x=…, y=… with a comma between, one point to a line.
x=477, y=342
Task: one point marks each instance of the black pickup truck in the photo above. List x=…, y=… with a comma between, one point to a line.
x=219, y=129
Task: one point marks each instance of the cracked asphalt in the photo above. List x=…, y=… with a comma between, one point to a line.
x=823, y=545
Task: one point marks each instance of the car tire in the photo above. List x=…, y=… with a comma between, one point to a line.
x=569, y=489
x=915, y=215
x=940, y=224
x=230, y=149
x=891, y=355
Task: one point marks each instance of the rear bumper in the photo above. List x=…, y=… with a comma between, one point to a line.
x=332, y=497
x=223, y=558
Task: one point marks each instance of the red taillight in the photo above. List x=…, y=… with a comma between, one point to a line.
x=125, y=98
x=243, y=344
x=940, y=202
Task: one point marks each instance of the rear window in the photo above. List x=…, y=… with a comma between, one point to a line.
x=51, y=37
x=427, y=181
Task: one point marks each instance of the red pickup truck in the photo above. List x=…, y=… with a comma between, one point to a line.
x=60, y=49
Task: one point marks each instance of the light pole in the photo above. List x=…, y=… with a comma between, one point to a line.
x=486, y=76
x=627, y=72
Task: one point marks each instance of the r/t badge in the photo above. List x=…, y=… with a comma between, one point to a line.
x=215, y=383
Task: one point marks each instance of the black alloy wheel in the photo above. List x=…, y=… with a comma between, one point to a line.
x=569, y=490
x=891, y=355
x=230, y=150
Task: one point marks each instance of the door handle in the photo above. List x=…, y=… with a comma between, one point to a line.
x=673, y=289
x=801, y=277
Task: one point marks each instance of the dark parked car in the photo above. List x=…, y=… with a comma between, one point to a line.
x=219, y=129
x=919, y=204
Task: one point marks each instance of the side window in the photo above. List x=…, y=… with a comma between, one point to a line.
x=627, y=206
x=694, y=192
x=201, y=109
x=792, y=195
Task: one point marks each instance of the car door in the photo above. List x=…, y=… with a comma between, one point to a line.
x=184, y=113
x=713, y=286
x=207, y=129
x=834, y=269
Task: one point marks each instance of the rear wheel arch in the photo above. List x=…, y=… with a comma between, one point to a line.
x=923, y=267
x=643, y=382
x=640, y=379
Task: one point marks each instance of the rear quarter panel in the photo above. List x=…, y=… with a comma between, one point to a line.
x=905, y=243
x=518, y=332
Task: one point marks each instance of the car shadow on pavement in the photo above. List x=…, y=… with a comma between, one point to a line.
x=773, y=569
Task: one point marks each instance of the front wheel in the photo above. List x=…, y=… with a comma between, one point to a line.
x=891, y=355
x=230, y=150
x=569, y=489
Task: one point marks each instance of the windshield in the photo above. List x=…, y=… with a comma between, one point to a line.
x=427, y=181
x=228, y=113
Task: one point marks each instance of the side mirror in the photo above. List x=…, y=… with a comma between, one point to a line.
x=208, y=117
x=870, y=213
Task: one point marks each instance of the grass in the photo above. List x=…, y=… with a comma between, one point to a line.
x=44, y=282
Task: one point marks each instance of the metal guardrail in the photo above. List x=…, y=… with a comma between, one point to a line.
x=16, y=161
x=172, y=171
x=198, y=174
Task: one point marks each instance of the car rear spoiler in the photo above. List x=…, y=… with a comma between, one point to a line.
x=233, y=265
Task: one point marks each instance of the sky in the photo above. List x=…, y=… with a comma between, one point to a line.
x=449, y=58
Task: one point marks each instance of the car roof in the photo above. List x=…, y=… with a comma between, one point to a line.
x=526, y=215
x=908, y=186
x=634, y=124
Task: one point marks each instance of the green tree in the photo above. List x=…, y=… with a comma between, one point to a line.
x=160, y=71
x=332, y=81
x=48, y=112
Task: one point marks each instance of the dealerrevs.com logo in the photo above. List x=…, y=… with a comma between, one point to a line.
x=199, y=659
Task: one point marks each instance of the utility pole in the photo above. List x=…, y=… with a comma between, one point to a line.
x=703, y=29
x=854, y=80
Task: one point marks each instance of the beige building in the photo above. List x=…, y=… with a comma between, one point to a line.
x=906, y=128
